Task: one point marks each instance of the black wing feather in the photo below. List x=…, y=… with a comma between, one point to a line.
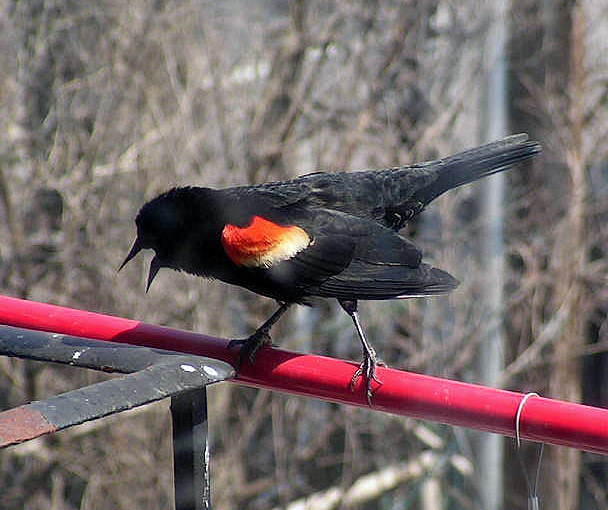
x=351, y=258
x=326, y=256
x=362, y=280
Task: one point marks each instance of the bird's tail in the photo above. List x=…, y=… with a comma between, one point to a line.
x=476, y=163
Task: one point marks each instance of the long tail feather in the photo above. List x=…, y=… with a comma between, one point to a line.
x=476, y=163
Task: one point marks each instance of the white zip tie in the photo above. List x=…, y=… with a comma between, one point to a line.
x=533, y=503
x=520, y=408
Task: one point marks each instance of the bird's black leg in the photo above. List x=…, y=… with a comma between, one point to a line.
x=261, y=337
x=367, y=368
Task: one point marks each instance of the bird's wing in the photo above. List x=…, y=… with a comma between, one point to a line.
x=285, y=253
x=332, y=254
x=385, y=265
x=365, y=280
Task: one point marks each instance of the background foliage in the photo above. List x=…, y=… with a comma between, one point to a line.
x=105, y=104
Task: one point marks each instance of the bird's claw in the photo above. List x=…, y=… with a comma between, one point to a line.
x=367, y=370
x=250, y=346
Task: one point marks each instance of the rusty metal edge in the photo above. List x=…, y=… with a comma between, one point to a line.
x=22, y=424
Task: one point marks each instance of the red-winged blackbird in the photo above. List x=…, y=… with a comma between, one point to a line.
x=329, y=235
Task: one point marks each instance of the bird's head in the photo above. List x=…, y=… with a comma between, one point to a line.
x=162, y=225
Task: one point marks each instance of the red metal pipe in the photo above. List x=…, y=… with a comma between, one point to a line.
x=403, y=393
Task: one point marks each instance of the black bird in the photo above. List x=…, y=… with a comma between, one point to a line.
x=328, y=235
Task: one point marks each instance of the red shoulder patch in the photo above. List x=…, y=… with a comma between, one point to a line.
x=262, y=243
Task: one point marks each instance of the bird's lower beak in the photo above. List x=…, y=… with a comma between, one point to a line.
x=135, y=249
x=155, y=265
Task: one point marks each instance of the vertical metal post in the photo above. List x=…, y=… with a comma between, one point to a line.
x=191, y=450
x=492, y=249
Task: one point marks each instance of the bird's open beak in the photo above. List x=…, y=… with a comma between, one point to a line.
x=135, y=249
x=155, y=265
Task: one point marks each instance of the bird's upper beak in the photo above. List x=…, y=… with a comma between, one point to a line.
x=135, y=249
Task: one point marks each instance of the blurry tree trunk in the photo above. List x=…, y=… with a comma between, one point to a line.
x=491, y=351
x=371, y=486
x=32, y=92
x=431, y=494
x=566, y=382
x=269, y=126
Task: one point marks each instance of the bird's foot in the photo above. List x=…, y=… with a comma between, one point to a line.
x=250, y=346
x=367, y=370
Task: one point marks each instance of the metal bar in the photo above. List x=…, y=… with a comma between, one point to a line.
x=191, y=451
x=402, y=393
x=108, y=397
x=154, y=374
x=79, y=352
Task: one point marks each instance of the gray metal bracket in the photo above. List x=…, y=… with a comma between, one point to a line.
x=153, y=374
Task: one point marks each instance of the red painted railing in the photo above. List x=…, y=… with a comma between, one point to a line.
x=403, y=393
